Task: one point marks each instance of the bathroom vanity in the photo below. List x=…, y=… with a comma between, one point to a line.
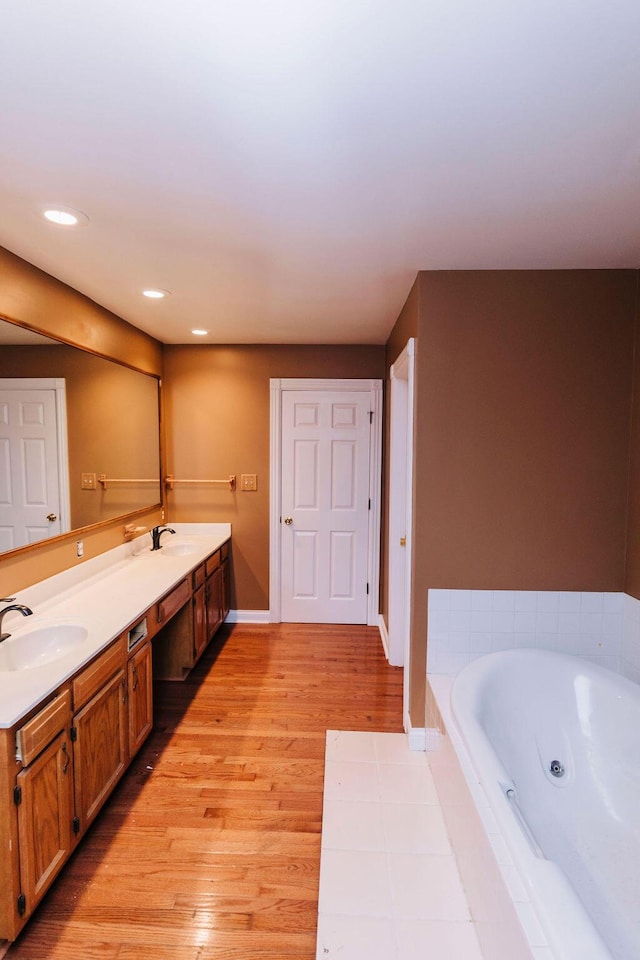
x=79, y=705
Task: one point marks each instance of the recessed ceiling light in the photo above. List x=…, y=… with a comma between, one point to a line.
x=156, y=294
x=200, y=333
x=65, y=216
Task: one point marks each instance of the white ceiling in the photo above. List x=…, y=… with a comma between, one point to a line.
x=285, y=168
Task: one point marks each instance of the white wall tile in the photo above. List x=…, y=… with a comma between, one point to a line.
x=524, y=621
x=460, y=599
x=592, y=602
x=569, y=621
x=547, y=600
x=546, y=621
x=502, y=621
x=569, y=602
x=465, y=624
x=481, y=600
x=481, y=621
x=504, y=600
x=526, y=600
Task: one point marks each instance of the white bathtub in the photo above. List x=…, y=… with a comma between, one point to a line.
x=574, y=836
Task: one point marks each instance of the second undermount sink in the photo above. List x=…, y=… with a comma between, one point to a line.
x=46, y=642
x=180, y=548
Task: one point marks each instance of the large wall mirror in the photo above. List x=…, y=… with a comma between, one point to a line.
x=79, y=439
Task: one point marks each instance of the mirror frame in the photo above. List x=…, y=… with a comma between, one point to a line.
x=101, y=524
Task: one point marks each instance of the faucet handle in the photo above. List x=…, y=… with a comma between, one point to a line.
x=7, y=599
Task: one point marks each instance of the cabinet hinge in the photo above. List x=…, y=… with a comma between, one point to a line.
x=17, y=796
x=22, y=904
x=73, y=734
x=76, y=825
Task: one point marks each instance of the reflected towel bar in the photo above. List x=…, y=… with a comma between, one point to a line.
x=104, y=480
x=230, y=482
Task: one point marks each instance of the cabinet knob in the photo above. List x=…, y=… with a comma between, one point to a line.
x=288, y=521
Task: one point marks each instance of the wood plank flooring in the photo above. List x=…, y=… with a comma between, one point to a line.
x=210, y=846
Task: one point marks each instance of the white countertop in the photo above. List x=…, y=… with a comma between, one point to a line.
x=105, y=595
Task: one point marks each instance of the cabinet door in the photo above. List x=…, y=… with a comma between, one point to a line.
x=140, y=698
x=226, y=588
x=45, y=819
x=100, y=750
x=200, y=634
x=214, y=601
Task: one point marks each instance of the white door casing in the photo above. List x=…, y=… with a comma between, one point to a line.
x=400, y=513
x=33, y=461
x=325, y=471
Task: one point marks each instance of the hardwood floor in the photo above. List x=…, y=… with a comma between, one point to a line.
x=210, y=846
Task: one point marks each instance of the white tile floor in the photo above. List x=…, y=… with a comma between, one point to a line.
x=389, y=884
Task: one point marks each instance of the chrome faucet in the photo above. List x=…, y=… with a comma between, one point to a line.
x=156, y=533
x=25, y=611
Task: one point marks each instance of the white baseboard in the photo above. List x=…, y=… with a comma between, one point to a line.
x=424, y=738
x=248, y=616
x=417, y=738
x=384, y=636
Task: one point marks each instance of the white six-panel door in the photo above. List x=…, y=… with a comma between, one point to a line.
x=325, y=506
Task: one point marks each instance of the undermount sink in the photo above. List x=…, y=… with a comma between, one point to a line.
x=180, y=549
x=43, y=644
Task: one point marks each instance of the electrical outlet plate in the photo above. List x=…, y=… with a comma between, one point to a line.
x=87, y=481
x=248, y=481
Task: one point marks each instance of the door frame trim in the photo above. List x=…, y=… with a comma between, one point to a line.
x=402, y=376
x=276, y=388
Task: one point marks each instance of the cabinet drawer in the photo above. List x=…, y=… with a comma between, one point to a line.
x=198, y=577
x=38, y=733
x=173, y=601
x=213, y=562
x=98, y=672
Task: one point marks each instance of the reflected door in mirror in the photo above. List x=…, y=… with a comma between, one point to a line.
x=33, y=482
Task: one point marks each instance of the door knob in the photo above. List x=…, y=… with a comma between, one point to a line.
x=288, y=521
x=51, y=517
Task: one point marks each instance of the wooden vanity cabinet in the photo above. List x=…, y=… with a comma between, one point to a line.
x=42, y=804
x=45, y=814
x=181, y=642
x=140, y=685
x=100, y=731
x=217, y=588
x=213, y=596
x=200, y=636
x=59, y=764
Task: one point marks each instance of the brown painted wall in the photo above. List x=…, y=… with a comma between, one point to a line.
x=523, y=420
x=217, y=405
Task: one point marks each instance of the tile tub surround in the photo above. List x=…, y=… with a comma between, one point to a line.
x=105, y=594
x=505, y=922
x=465, y=624
x=389, y=883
